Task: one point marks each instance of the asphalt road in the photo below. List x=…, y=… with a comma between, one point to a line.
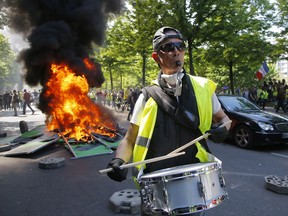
x=78, y=189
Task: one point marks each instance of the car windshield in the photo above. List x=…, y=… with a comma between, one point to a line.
x=237, y=103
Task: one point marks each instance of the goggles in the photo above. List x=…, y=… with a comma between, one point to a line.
x=170, y=47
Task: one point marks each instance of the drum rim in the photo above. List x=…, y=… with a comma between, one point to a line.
x=186, y=170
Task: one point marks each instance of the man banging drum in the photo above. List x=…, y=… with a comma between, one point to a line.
x=175, y=110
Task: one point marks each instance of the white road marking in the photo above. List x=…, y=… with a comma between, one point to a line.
x=243, y=174
x=281, y=155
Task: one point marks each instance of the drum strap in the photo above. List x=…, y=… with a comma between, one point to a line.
x=179, y=112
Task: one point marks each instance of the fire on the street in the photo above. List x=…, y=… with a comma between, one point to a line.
x=71, y=111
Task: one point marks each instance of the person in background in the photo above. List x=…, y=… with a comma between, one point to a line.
x=263, y=97
x=245, y=93
x=132, y=98
x=15, y=102
x=9, y=102
x=27, y=101
x=238, y=92
x=185, y=108
x=1, y=101
x=20, y=96
x=252, y=95
x=280, y=98
x=92, y=96
x=109, y=98
x=126, y=94
x=114, y=98
x=6, y=100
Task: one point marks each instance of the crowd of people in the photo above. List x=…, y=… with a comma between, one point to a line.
x=124, y=99
x=272, y=91
x=18, y=101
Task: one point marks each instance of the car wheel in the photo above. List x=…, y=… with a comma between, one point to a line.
x=243, y=137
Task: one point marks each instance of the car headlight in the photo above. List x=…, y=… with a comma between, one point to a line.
x=265, y=126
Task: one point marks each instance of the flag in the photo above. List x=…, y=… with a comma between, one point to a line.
x=263, y=70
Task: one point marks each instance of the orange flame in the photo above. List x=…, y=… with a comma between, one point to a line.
x=71, y=110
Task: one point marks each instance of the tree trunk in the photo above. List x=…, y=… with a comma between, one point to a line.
x=144, y=58
x=111, y=77
x=121, y=80
x=191, y=65
x=231, y=77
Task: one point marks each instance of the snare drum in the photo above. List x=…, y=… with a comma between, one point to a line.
x=183, y=189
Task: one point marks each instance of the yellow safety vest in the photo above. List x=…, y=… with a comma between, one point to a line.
x=264, y=95
x=204, y=89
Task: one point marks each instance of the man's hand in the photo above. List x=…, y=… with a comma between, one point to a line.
x=218, y=134
x=117, y=174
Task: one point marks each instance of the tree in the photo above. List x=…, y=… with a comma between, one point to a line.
x=190, y=18
x=282, y=24
x=117, y=56
x=6, y=61
x=3, y=15
x=238, y=38
x=143, y=23
x=227, y=38
x=129, y=44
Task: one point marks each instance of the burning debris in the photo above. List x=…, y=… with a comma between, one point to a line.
x=60, y=35
x=68, y=103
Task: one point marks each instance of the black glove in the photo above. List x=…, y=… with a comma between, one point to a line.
x=218, y=134
x=117, y=174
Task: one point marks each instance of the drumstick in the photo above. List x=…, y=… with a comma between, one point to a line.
x=151, y=160
x=196, y=140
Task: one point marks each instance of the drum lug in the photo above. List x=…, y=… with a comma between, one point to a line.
x=222, y=181
x=165, y=195
x=201, y=189
x=146, y=191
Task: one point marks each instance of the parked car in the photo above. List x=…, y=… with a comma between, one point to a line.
x=252, y=126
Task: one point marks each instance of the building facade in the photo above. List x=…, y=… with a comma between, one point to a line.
x=282, y=68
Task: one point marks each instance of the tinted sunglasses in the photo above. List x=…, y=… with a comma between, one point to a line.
x=170, y=47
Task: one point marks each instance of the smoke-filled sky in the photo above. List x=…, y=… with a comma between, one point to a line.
x=17, y=41
x=59, y=31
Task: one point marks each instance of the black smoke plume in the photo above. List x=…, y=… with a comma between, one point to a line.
x=60, y=31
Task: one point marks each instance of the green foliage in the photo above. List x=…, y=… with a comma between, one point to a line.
x=282, y=38
x=6, y=60
x=125, y=57
x=237, y=40
x=227, y=39
x=3, y=15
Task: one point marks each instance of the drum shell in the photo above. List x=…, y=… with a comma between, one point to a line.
x=188, y=188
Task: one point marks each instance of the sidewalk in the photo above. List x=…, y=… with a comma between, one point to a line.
x=10, y=123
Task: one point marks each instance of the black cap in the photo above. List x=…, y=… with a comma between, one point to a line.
x=160, y=36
